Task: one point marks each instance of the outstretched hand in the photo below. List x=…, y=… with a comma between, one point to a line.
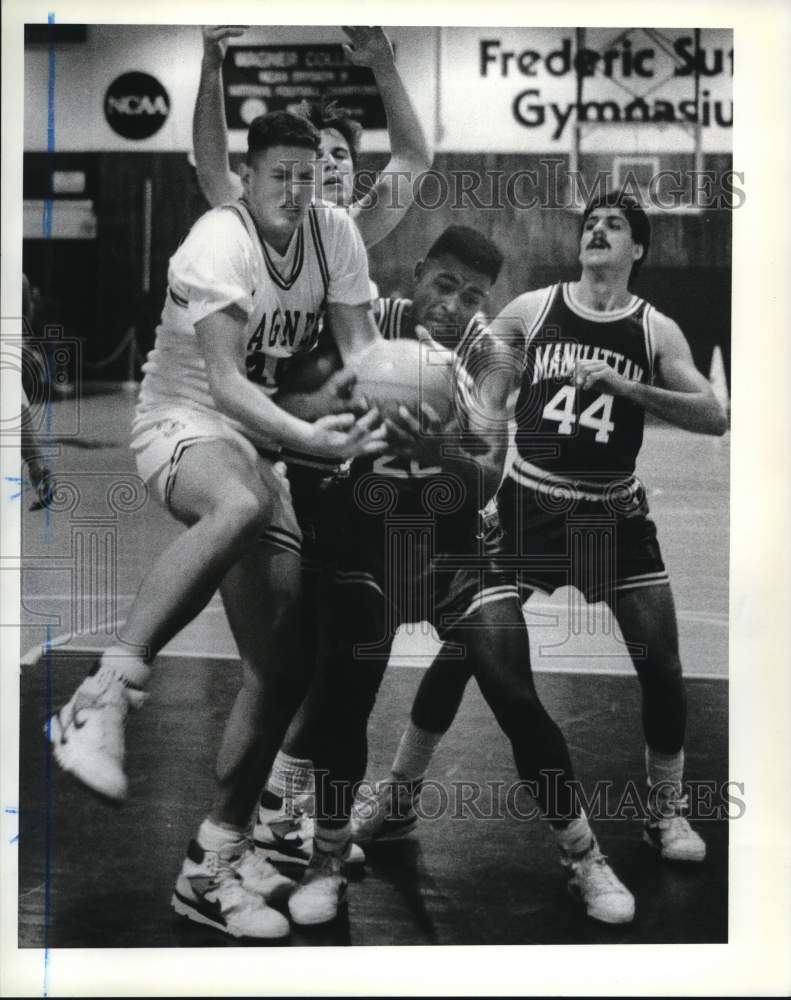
x=338, y=395
x=420, y=438
x=215, y=39
x=342, y=437
x=369, y=47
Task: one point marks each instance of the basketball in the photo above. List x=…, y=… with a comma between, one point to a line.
x=307, y=372
x=393, y=373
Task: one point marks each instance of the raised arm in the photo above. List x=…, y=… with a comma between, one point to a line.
x=380, y=211
x=209, y=130
x=683, y=396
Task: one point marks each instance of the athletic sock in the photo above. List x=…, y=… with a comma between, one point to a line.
x=665, y=772
x=118, y=662
x=414, y=753
x=290, y=776
x=661, y=767
x=214, y=836
x=332, y=839
x=576, y=838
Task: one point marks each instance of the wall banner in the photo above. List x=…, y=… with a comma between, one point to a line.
x=261, y=78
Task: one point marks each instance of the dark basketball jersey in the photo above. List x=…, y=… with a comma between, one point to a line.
x=562, y=430
x=394, y=319
x=401, y=514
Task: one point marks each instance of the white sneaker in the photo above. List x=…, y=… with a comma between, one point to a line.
x=210, y=891
x=671, y=833
x=596, y=886
x=388, y=814
x=303, y=804
x=87, y=733
x=323, y=889
x=259, y=876
x=289, y=839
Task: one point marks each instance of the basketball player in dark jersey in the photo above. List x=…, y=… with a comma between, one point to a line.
x=595, y=358
x=411, y=520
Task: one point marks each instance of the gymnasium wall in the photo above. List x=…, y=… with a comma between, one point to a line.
x=96, y=288
x=100, y=277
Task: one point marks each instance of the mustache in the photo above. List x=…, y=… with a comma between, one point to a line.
x=598, y=241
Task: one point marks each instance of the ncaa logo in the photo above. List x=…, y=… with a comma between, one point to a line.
x=136, y=105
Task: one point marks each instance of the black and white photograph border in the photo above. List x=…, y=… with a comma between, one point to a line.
x=739, y=689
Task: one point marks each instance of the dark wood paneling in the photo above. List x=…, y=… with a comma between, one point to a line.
x=689, y=262
x=687, y=273
x=121, y=297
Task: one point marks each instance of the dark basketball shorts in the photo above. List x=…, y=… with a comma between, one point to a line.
x=411, y=547
x=539, y=541
x=318, y=501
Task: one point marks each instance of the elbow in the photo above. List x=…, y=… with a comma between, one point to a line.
x=411, y=163
x=717, y=423
x=720, y=421
x=720, y=425
x=420, y=160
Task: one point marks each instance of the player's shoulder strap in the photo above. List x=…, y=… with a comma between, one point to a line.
x=242, y=213
x=475, y=333
x=389, y=315
x=318, y=244
x=652, y=320
x=532, y=309
x=545, y=298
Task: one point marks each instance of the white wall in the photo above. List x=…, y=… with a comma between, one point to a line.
x=478, y=101
x=475, y=108
x=172, y=54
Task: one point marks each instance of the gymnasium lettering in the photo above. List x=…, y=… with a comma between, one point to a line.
x=622, y=62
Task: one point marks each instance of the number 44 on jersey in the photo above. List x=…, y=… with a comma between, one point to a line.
x=561, y=411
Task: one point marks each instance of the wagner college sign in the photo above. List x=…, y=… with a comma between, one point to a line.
x=261, y=78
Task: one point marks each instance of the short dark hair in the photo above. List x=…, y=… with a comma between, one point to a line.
x=328, y=114
x=281, y=128
x=635, y=214
x=471, y=248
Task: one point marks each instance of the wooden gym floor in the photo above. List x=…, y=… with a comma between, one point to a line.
x=94, y=876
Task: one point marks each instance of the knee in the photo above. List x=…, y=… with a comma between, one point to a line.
x=281, y=683
x=244, y=514
x=658, y=670
x=517, y=710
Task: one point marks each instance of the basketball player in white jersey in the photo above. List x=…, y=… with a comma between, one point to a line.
x=246, y=290
x=375, y=215
x=595, y=359
x=378, y=212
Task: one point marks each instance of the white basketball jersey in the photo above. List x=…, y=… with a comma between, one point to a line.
x=222, y=262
